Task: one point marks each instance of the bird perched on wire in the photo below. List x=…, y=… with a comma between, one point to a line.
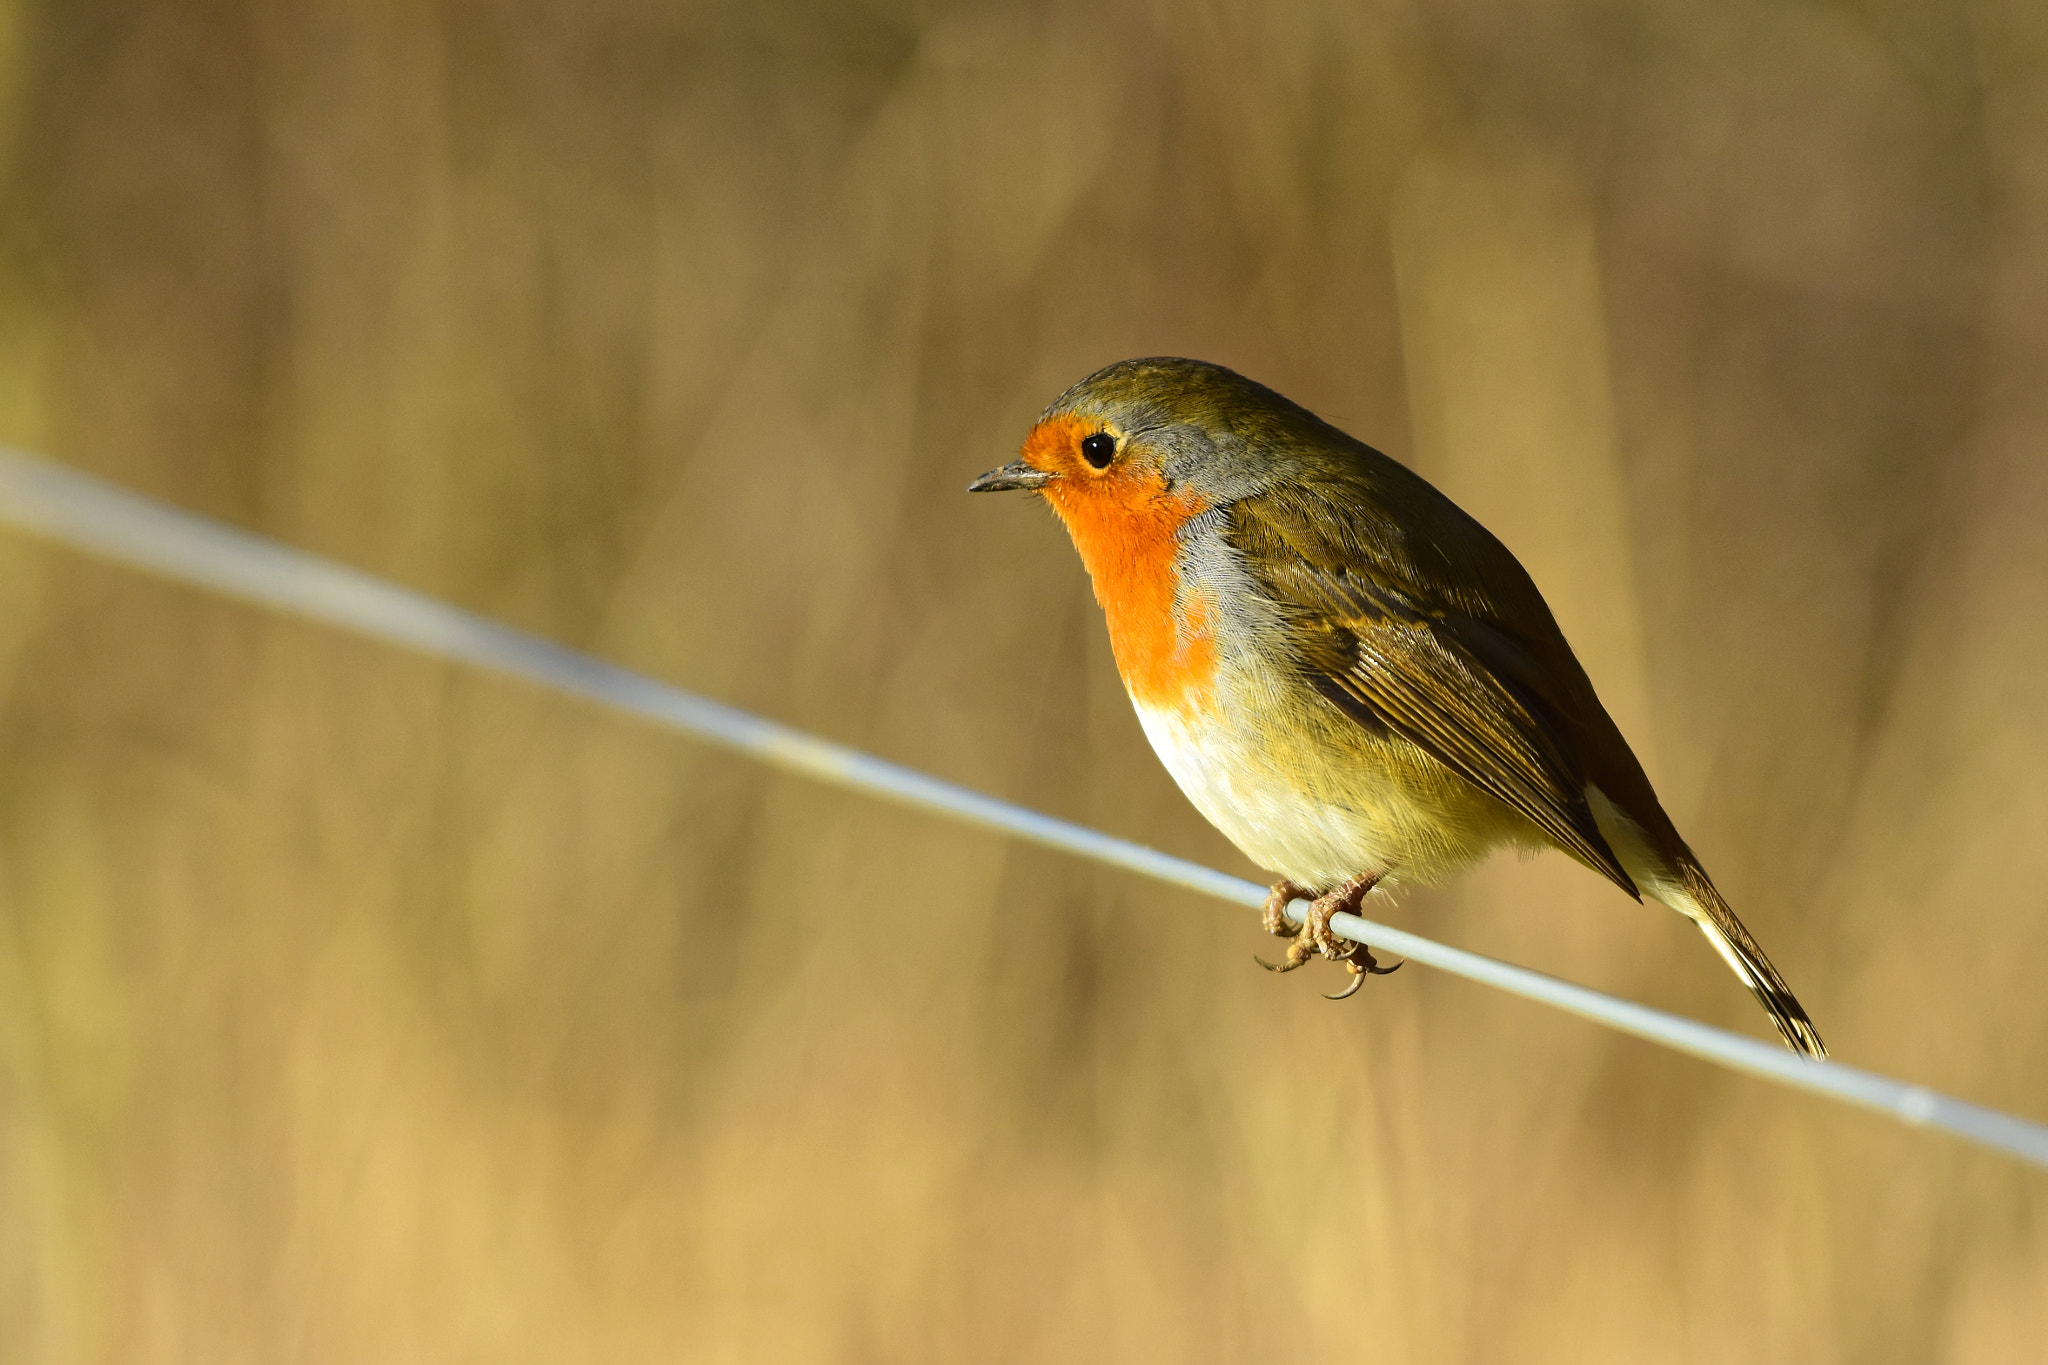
x=1349, y=676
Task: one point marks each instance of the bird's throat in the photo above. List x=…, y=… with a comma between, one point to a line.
x=1160, y=628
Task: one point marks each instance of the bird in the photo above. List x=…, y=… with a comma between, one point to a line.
x=1347, y=674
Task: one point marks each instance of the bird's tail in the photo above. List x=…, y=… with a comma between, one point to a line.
x=1704, y=907
x=1664, y=869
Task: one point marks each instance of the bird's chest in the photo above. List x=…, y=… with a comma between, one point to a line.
x=1299, y=787
x=1203, y=664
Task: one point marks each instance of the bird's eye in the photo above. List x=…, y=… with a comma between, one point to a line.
x=1099, y=449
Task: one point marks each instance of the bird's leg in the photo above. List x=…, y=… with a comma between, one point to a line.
x=1274, y=918
x=1356, y=957
x=1345, y=899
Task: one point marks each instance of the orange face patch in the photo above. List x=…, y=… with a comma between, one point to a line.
x=1125, y=521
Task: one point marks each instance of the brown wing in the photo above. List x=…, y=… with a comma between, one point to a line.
x=1407, y=634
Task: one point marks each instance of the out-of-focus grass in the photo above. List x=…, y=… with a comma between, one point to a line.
x=356, y=1008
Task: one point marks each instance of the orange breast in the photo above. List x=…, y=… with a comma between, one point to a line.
x=1125, y=524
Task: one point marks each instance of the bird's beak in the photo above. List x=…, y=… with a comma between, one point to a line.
x=1015, y=474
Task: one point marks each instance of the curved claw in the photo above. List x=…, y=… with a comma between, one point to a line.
x=1357, y=980
x=1286, y=966
x=1362, y=964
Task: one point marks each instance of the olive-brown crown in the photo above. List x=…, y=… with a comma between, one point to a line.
x=1196, y=427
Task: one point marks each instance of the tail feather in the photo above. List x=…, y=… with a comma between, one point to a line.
x=1732, y=941
x=1664, y=869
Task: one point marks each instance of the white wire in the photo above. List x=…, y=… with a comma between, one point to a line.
x=102, y=519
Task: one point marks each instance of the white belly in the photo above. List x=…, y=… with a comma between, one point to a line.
x=1264, y=810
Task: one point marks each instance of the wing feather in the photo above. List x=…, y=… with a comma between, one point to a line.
x=1441, y=669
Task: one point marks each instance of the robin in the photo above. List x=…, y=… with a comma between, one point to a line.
x=1349, y=676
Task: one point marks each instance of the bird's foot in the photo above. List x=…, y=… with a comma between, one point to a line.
x=1273, y=918
x=1315, y=934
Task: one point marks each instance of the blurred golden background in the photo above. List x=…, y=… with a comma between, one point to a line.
x=357, y=1008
